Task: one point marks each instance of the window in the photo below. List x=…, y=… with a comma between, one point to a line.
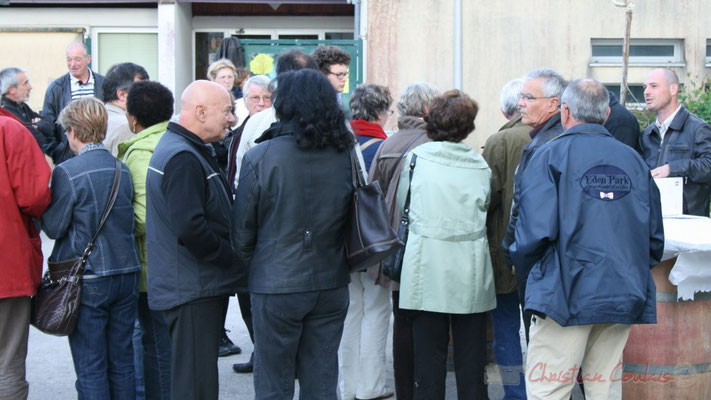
x=635, y=95
x=136, y=47
x=206, y=41
x=708, y=52
x=665, y=52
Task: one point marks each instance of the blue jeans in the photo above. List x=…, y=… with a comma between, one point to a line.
x=507, y=345
x=156, y=351
x=298, y=333
x=101, y=343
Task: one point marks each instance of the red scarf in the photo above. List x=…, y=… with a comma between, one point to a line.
x=362, y=127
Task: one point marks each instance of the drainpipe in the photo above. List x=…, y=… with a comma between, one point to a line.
x=458, y=44
x=356, y=19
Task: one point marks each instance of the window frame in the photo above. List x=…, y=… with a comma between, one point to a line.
x=677, y=60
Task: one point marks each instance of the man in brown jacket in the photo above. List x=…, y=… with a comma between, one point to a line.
x=385, y=168
x=502, y=152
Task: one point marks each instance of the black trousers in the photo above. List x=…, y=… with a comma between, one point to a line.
x=403, y=348
x=245, y=308
x=431, y=337
x=195, y=331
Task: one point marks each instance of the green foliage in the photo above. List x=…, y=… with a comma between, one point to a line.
x=696, y=97
x=644, y=116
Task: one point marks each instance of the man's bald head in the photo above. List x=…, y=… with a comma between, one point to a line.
x=206, y=110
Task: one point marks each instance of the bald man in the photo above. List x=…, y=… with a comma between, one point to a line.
x=678, y=143
x=191, y=270
x=79, y=82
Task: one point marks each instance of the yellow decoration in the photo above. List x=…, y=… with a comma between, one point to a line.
x=261, y=64
x=348, y=84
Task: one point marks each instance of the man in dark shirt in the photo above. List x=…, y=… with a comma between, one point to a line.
x=15, y=89
x=188, y=228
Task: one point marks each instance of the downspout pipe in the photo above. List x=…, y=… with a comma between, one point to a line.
x=458, y=44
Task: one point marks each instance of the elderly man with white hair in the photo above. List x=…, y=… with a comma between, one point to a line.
x=502, y=152
x=589, y=230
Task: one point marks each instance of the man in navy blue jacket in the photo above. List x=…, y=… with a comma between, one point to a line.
x=589, y=230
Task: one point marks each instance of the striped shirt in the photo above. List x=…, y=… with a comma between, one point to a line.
x=80, y=89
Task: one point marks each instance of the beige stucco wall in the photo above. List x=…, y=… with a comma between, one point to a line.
x=413, y=40
x=42, y=53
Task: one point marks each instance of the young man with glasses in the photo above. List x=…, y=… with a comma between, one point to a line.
x=333, y=62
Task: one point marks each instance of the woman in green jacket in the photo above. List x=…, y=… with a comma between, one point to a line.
x=149, y=106
x=446, y=273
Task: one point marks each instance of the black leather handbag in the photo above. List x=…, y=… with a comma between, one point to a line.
x=55, y=307
x=369, y=236
x=392, y=266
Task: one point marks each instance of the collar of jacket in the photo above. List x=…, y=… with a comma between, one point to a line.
x=450, y=153
x=6, y=101
x=151, y=130
x=277, y=129
x=362, y=127
x=586, y=128
x=410, y=122
x=545, y=126
x=512, y=122
x=680, y=118
x=204, y=149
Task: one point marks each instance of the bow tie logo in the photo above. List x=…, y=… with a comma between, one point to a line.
x=610, y=195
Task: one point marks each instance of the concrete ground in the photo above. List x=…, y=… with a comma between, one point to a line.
x=50, y=371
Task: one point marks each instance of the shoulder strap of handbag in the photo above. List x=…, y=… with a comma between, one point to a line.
x=406, y=210
x=369, y=142
x=356, y=171
x=107, y=208
x=410, y=145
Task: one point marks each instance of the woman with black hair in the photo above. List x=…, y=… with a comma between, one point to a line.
x=149, y=106
x=288, y=224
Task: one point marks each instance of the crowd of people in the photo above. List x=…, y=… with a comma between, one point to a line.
x=247, y=191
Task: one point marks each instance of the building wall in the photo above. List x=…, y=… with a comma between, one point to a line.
x=410, y=41
x=41, y=52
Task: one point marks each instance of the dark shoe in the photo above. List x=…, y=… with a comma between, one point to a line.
x=227, y=347
x=243, y=368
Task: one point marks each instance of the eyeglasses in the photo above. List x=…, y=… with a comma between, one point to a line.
x=529, y=97
x=340, y=75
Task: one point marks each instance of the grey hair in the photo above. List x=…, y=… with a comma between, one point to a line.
x=260, y=81
x=8, y=79
x=510, y=96
x=553, y=83
x=587, y=100
x=83, y=46
x=415, y=97
x=368, y=100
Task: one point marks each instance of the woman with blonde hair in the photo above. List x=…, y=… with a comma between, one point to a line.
x=101, y=343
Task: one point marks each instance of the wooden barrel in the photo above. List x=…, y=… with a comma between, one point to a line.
x=672, y=359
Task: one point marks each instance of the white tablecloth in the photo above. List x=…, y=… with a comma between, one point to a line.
x=689, y=239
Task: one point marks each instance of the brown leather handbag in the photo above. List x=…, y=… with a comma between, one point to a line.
x=369, y=236
x=55, y=307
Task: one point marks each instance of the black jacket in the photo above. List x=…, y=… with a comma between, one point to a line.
x=687, y=150
x=57, y=96
x=622, y=124
x=289, y=215
x=187, y=223
x=25, y=114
